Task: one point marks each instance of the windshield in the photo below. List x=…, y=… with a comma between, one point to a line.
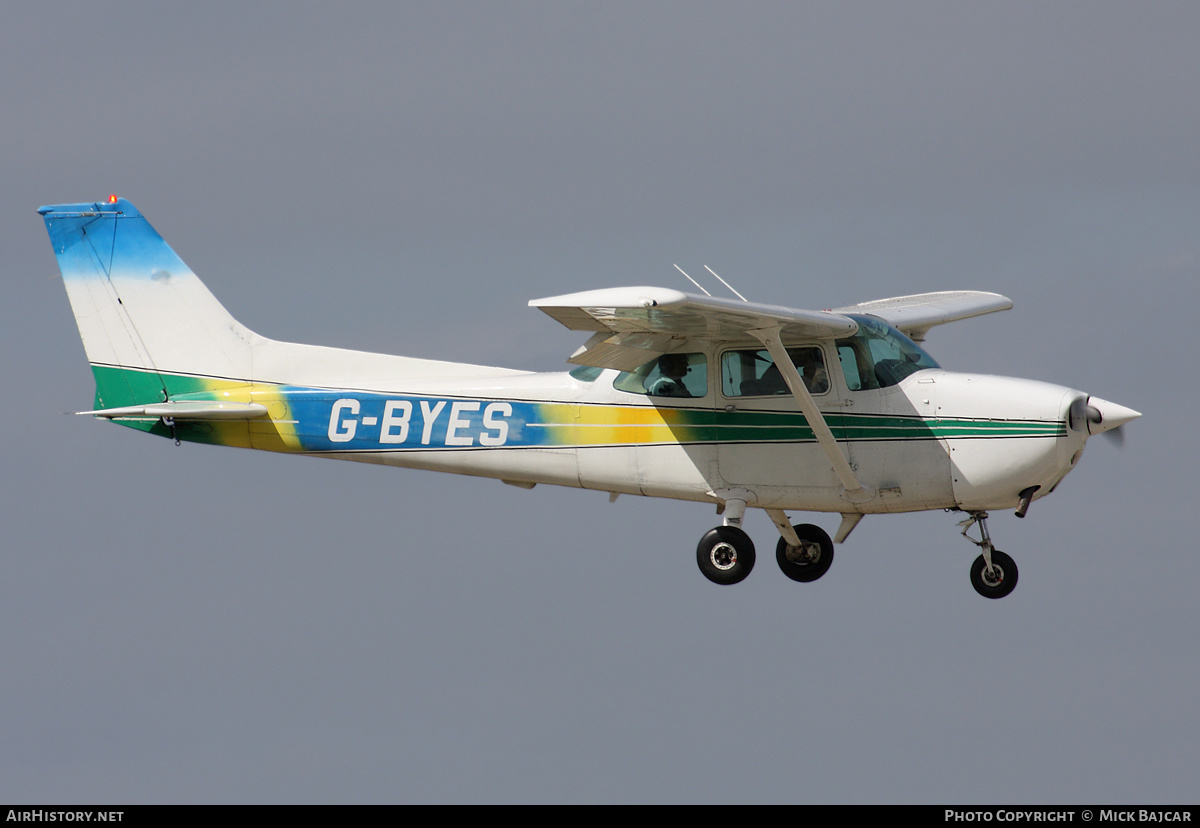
x=586, y=373
x=879, y=356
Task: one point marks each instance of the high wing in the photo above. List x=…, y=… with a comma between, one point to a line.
x=633, y=325
x=916, y=314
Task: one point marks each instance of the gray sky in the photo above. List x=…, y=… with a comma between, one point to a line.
x=210, y=625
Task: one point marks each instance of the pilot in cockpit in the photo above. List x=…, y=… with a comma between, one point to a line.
x=672, y=368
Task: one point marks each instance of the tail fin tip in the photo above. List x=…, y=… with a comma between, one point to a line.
x=137, y=304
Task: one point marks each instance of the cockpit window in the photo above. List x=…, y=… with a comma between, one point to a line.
x=879, y=356
x=671, y=375
x=755, y=374
x=586, y=373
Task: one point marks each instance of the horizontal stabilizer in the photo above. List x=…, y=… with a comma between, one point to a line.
x=185, y=411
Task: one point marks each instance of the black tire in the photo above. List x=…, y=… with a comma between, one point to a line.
x=997, y=587
x=725, y=555
x=805, y=570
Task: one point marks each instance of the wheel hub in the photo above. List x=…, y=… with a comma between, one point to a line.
x=723, y=556
x=993, y=577
x=806, y=553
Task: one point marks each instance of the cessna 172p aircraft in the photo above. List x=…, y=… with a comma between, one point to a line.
x=675, y=395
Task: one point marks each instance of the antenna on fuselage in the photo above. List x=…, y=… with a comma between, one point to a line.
x=693, y=281
x=726, y=284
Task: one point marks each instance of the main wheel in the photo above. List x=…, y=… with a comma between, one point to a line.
x=1000, y=581
x=725, y=555
x=811, y=559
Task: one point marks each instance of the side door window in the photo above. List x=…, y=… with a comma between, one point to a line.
x=670, y=375
x=752, y=373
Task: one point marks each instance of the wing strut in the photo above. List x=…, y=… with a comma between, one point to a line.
x=855, y=491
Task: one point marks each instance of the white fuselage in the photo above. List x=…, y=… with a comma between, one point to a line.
x=936, y=439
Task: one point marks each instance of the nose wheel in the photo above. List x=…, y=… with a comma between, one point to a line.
x=996, y=581
x=993, y=574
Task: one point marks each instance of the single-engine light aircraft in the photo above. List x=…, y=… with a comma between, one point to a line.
x=678, y=395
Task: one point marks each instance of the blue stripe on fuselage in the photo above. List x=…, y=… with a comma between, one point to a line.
x=355, y=421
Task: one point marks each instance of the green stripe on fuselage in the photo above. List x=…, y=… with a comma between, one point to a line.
x=118, y=387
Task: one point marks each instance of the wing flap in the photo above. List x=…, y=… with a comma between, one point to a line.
x=624, y=352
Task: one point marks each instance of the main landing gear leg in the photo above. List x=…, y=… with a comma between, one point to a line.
x=993, y=574
x=726, y=554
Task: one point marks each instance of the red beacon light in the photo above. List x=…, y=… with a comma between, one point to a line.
x=112, y=199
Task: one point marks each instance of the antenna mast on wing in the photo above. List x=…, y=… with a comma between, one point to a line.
x=726, y=284
x=719, y=279
x=693, y=281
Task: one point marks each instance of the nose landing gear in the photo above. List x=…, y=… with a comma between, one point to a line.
x=993, y=574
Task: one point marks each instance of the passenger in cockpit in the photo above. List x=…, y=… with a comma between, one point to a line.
x=812, y=371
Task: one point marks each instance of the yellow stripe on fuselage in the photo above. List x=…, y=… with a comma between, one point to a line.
x=594, y=425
